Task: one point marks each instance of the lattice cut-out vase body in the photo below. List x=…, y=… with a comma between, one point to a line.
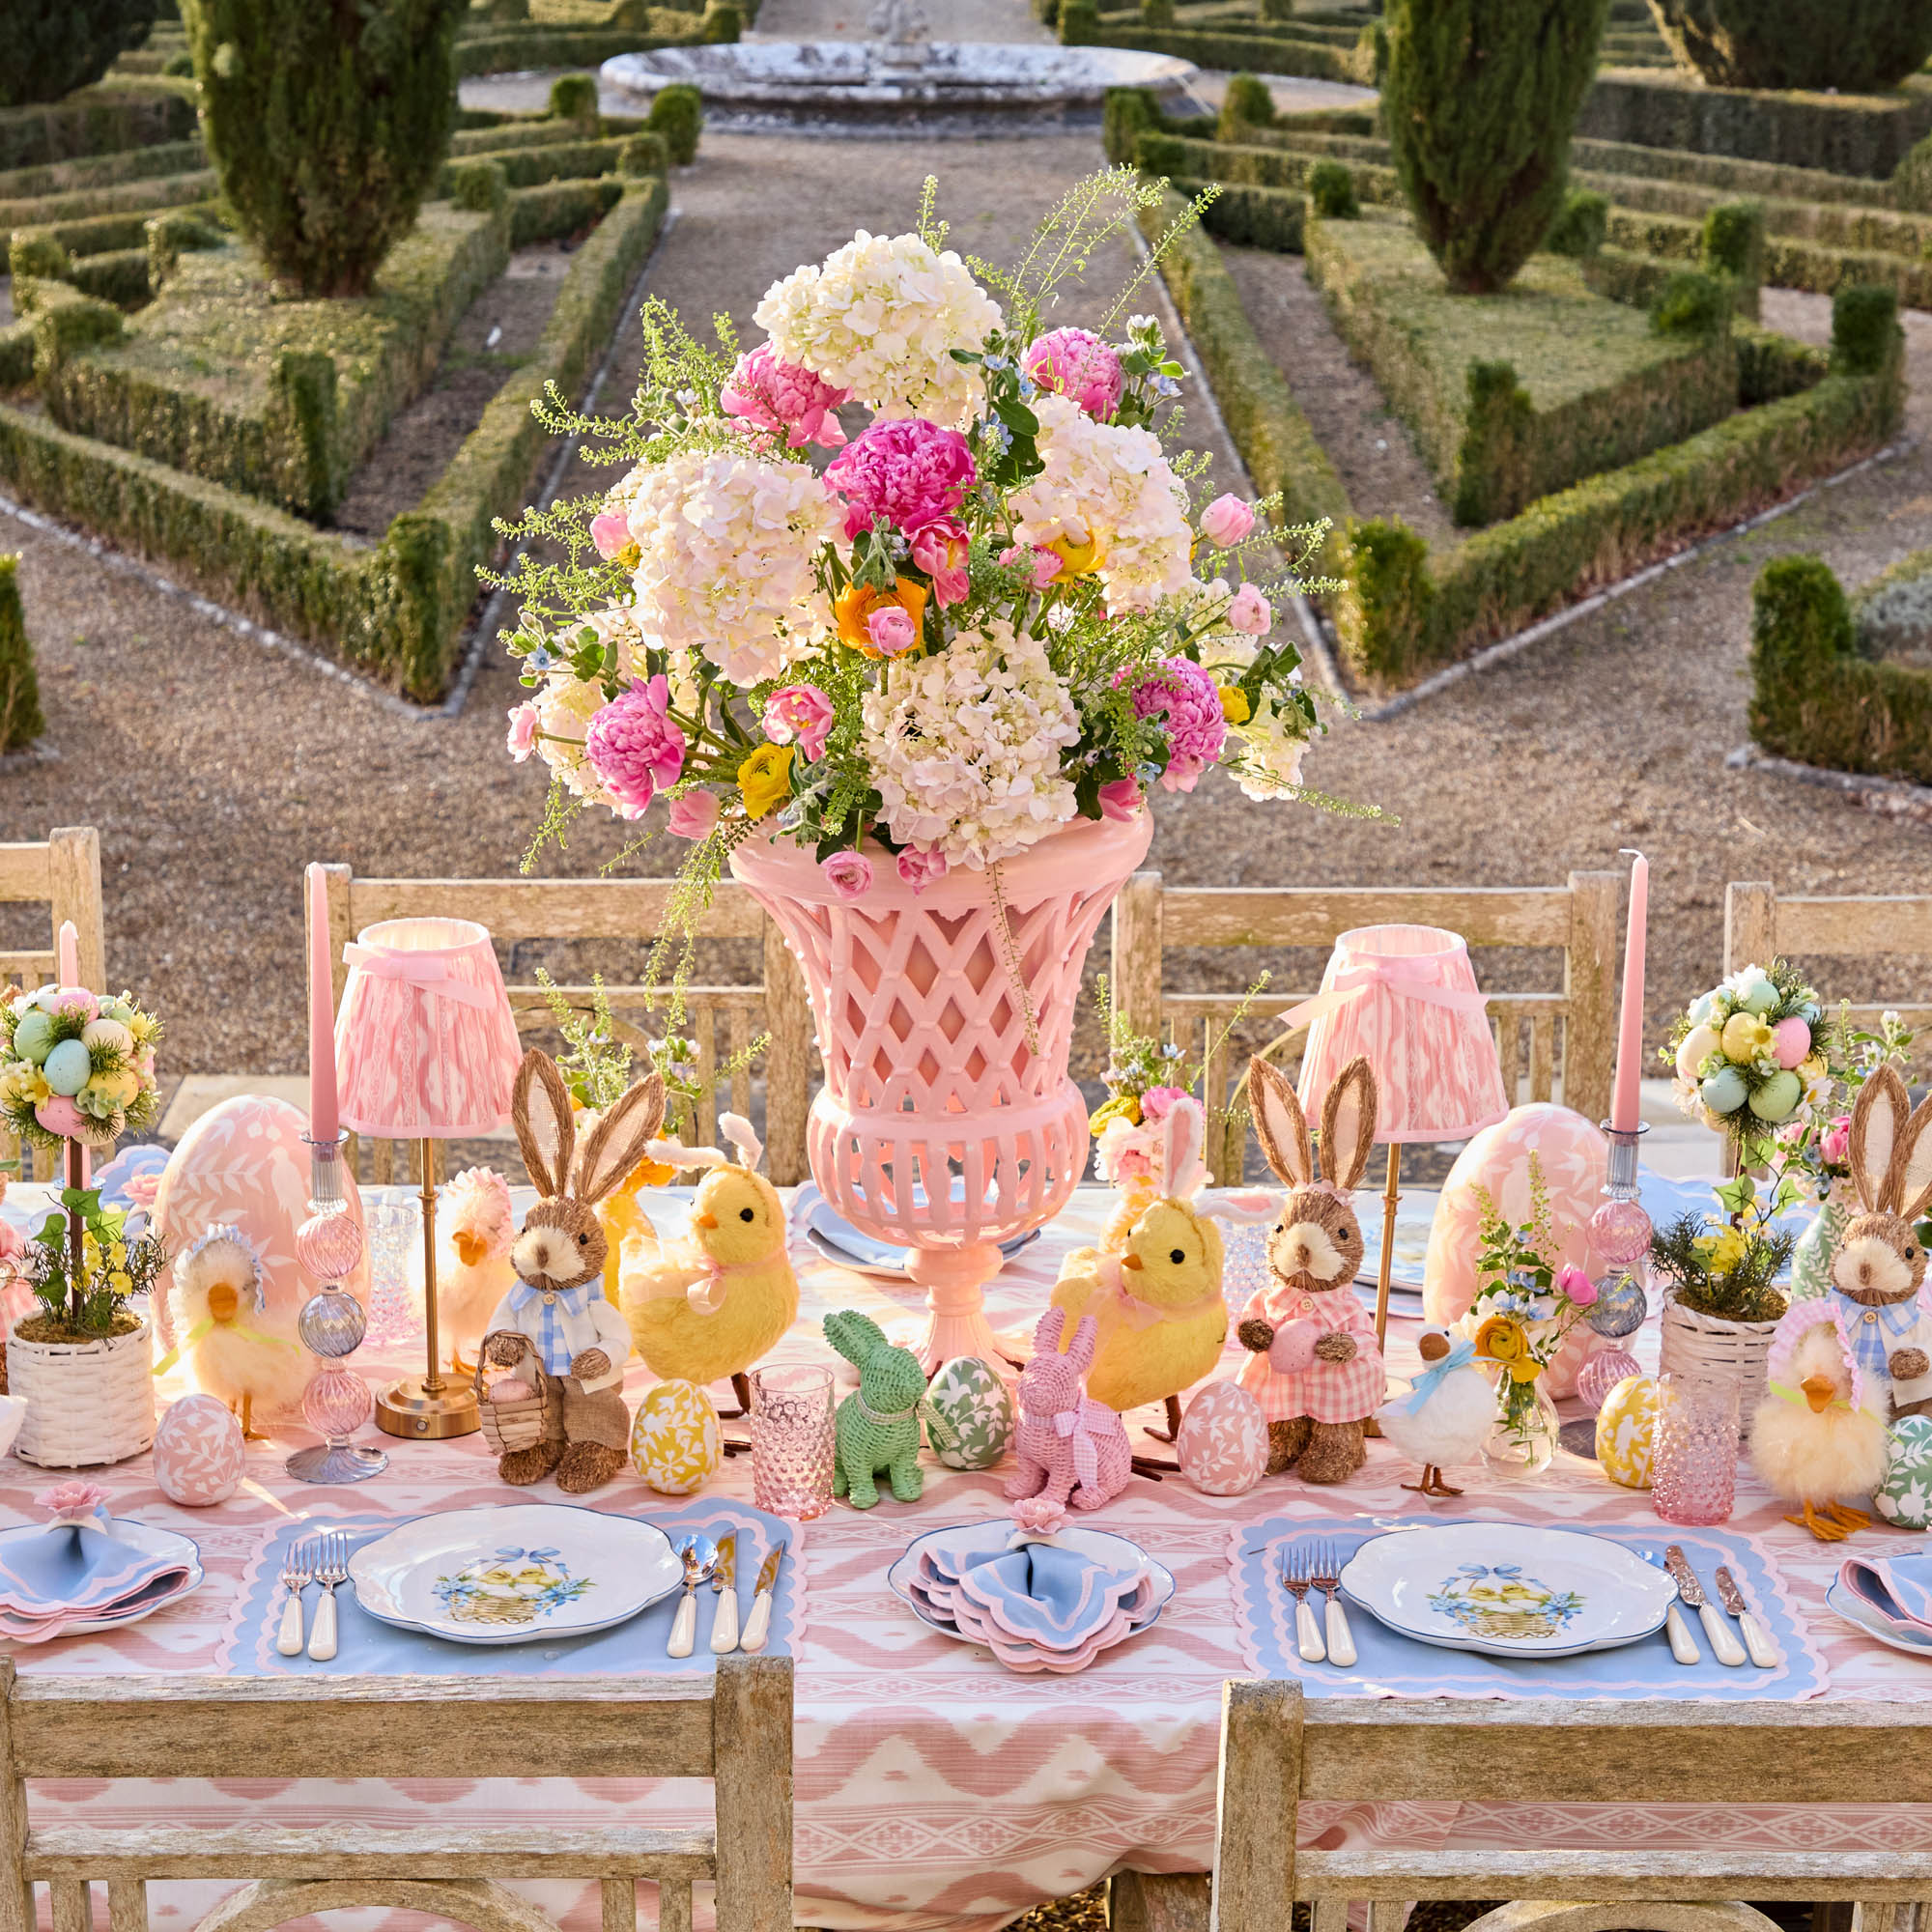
x=940, y=1127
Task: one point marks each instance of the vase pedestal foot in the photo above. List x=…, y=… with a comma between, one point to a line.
x=954, y=1280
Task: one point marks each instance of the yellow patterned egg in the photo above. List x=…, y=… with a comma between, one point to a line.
x=675, y=1442
x=1626, y=1431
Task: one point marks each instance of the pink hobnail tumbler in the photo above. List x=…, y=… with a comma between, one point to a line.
x=791, y=1439
x=1694, y=1477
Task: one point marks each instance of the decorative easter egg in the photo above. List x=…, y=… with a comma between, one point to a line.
x=60, y=1116
x=198, y=1452
x=1619, y=1308
x=1626, y=1431
x=1223, y=1445
x=1602, y=1373
x=1724, y=1092
x=1696, y=1047
x=1701, y=1008
x=104, y=1036
x=67, y=1067
x=968, y=1412
x=34, y=1035
x=1905, y=1496
x=1742, y=1035
x=675, y=1442
x=1791, y=1042
x=112, y=1008
x=1757, y=994
x=1776, y=1100
x=74, y=1000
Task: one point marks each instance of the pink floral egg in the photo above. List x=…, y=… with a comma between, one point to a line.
x=1575, y=1159
x=1223, y=1445
x=60, y=1116
x=1790, y=1040
x=198, y=1452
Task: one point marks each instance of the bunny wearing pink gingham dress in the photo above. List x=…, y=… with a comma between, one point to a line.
x=1315, y=1366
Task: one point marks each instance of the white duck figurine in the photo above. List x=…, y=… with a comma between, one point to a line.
x=1443, y=1418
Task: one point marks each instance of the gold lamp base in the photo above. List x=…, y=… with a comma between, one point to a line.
x=409, y=1408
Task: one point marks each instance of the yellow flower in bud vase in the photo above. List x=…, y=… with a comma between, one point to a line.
x=1079, y=556
x=1723, y=1250
x=1234, y=707
x=1503, y=1339
x=1121, y=1107
x=765, y=779
x=121, y=1283
x=855, y=607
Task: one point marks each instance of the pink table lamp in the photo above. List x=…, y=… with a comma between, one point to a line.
x=1407, y=997
x=425, y=1050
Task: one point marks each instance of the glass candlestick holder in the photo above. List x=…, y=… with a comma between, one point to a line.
x=337, y=1401
x=1620, y=1234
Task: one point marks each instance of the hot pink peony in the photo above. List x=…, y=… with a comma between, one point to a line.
x=1073, y=364
x=908, y=471
x=523, y=733
x=849, y=873
x=1157, y=1101
x=611, y=534
x=892, y=629
x=633, y=745
x=802, y=712
x=941, y=549
x=1196, y=729
x=766, y=393
x=920, y=866
x=1251, y=613
x=1120, y=799
x=693, y=815
x=1226, y=522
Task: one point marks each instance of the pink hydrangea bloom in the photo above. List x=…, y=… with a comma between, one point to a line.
x=611, y=534
x=1573, y=1283
x=941, y=549
x=1120, y=799
x=693, y=815
x=522, y=738
x=800, y=712
x=1188, y=698
x=1251, y=613
x=1226, y=522
x=1158, y=1100
x=892, y=629
x=920, y=866
x=1835, y=1141
x=1071, y=362
x=633, y=745
x=849, y=873
x=766, y=393
x=908, y=471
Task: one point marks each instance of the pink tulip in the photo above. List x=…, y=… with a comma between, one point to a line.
x=920, y=866
x=1834, y=1144
x=1226, y=522
x=1573, y=1283
x=849, y=873
x=523, y=733
x=800, y=712
x=611, y=534
x=1120, y=799
x=693, y=815
x=1251, y=613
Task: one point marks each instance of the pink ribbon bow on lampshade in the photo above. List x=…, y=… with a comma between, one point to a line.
x=1351, y=982
x=1077, y=1424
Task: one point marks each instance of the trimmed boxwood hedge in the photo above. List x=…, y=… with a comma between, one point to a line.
x=1229, y=43
x=515, y=49
x=1255, y=167
x=135, y=198
x=96, y=120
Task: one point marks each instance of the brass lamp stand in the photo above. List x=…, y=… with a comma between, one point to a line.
x=430, y=1410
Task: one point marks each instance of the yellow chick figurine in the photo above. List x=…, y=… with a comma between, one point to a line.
x=1154, y=1286
x=708, y=1306
x=240, y=1346
x=475, y=1230
x=1820, y=1432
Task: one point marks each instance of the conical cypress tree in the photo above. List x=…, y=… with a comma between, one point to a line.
x=1479, y=99
x=327, y=122
x=55, y=45
x=20, y=721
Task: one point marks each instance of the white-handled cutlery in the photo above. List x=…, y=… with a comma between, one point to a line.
x=725, y=1587
x=758, y=1624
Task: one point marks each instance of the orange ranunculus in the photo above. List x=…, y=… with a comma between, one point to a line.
x=1502, y=1340
x=857, y=602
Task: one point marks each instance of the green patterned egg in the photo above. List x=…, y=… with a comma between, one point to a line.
x=968, y=1412
x=1905, y=1496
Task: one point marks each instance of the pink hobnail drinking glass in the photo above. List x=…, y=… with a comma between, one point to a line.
x=791, y=1439
x=1695, y=1473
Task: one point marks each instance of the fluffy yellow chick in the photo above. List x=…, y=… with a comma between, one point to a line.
x=474, y=1229
x=239, y=1341
x=1812, y=1440
x=709, y=1305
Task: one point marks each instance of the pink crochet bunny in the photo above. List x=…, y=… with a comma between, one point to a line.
x=1070, y=1449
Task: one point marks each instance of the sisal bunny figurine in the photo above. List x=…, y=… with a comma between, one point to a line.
x=878, y=1422
x=559, y=1301
x=1072, y=1450
x=1315, y=1366
x=1879, y=1269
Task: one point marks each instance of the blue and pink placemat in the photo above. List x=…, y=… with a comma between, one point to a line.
x=1389, y=1664
x=366, y=1647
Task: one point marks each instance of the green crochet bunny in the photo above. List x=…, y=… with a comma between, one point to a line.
x=878, y=1422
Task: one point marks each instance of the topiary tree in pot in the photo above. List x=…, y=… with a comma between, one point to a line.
x=1479, y=100
x=55, y=45
x=1856, y=46
x=327, y=122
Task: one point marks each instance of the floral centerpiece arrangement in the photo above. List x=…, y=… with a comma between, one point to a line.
x=1746, y=1056
x=77, y=1067
x=84, y=1295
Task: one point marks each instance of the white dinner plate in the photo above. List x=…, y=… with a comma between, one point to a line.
x=1507, y=1589
x=512, y=1572
x=1847, y=1604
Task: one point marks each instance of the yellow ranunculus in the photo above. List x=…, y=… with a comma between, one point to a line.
x=1078, y=557
x=1502, y=1339
x=857, y=602
x=1234, y=705
x=765, y=779
x=1121, y=1107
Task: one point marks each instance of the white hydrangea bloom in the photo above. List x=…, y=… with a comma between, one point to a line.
x=1113, y=486
x=1274, y=742
x=565, y=707
x=881, y=318
x=726, y=541
x=965, y=747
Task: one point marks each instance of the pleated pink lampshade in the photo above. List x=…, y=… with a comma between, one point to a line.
x=425, y=1041
x=1407, y=997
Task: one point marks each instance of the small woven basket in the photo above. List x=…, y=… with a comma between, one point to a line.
x=88, y=1403
x=520, y=1424
x=1695, y=1344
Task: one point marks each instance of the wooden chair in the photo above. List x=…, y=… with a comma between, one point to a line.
x=64, y=872
x=1579, y=918
x=1280, y=1748
x=738, y=1735
x=628, y=909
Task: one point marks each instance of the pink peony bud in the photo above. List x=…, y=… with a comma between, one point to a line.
x=892, y=629
x=765, y=393
x=920, y=866
x=1251, y=613
x=523, y=733
x=692, y=815
x=1074, y=363
x=1120, y=799
x=1226, y=522
x=850, y=875
x=1045, y=565
x=611, y=533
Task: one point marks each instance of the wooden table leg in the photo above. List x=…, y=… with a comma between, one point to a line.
x=1157, y=1902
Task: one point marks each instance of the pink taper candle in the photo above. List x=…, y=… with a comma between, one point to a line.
x=323, y=1124
x=1626, y=1108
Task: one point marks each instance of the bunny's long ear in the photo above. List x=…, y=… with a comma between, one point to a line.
x=1349, y=1123
x=1878, y=1119
x=621, y=1139
x=1081, y=1351
x=1047, y=1332
x=1182, y=1134
x=1909, y=1183
x=540, y=1112
x=1280, y=1124
x=857, y=1337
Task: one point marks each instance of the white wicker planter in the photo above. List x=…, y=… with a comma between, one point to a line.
x=87, y=1401
x=1706, y=1344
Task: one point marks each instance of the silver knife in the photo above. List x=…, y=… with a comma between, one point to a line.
x=1724, y=1645
x=1763, y=1652
x=725, y=1586
x=757, y=1625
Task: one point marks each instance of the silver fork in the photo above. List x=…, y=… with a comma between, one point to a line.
x=1296, y=1574
x=297, y=1567
x=1326, y=1564
x=332, y=1568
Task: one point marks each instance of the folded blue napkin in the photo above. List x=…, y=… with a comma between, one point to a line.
x=1899, y=1588
x=1039, y=1593
x=74, y=1565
